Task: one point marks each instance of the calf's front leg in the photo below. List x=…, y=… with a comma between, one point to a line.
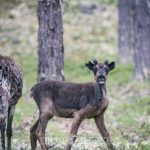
x=74, y=129
x=99, y=120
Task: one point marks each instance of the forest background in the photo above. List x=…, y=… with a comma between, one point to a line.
x=90, y=31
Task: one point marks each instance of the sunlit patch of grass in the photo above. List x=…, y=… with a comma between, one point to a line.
x=121, y=75
x=23, y=119
x=29, y=68
x=54, y=131
x=24, y=113
x=132, y=109
x=133, y=123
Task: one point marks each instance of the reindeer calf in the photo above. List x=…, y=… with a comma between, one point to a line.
x=72, y=100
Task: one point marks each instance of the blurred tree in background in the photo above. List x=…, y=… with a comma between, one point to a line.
x=142, y=39
x=50, y=38
x=134, y=36
x=126, y=29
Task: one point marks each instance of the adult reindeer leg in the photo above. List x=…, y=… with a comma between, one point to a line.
x=9, y=126
x=74, y=129
x=99, y=120
x=3, y=126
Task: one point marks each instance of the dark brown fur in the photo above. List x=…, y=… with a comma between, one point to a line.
x=69, y=100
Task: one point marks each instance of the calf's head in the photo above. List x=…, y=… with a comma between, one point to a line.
x=100, y=70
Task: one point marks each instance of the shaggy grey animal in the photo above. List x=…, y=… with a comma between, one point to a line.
x=10, y=92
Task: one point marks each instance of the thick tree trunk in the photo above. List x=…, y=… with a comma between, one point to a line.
x=125, y=41
x=142, y=39
x=50, y=37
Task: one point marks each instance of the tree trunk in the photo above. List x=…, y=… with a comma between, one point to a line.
x=50, y=38
x=125, y=41
x=142, y=40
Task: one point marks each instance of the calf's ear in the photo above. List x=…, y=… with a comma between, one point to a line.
x=90, y=65
x=111, y=65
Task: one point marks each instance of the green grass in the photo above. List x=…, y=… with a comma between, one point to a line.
x=130, y=112
x=29, y=68
x=85, y=37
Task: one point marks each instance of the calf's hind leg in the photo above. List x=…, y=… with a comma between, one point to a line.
x=33, y=138
x=40, y=132
x=99, y=120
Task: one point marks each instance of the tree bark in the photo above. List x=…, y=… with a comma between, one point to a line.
x=142, y=40
x=125, y=40
x=50, y=38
